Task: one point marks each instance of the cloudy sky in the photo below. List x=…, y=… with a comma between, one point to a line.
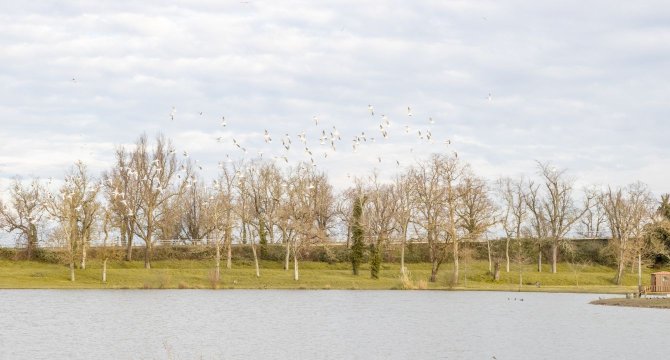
x=581, y=84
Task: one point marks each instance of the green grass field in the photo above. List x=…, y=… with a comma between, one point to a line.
x=313, y=275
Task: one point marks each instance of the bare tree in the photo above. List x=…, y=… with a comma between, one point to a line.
x=476, y=212
x=223, y=217
x=122, y=196
x=302, y=189
x=24, y=213
x=381, y=215
x=156, y=176
x=436, y=197
x=627, y=211
x=75, y=208
x=554, y=210
x=514, y=211
x=592, y=224
x=404, y=211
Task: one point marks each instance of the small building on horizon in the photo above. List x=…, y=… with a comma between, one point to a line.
x=660, y=282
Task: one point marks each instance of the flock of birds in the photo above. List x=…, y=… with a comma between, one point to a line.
x=328, y=140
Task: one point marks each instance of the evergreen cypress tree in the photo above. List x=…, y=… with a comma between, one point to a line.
x=375, y=260
x=357, y=236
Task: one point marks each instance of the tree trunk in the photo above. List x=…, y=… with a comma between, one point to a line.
x=32, y=240
x=72, y=270
x=554, y=257
x=217, y=270
x=496, y=272
x=296, y=275
x=454, y=275
x=402, y=253
x=104, y=270
x=147, y=255
x=129, y=243
x=229, y=256
x=83, y=252
x=619, y=273
x=253, y=251
x=539, y=258
x=639, y=270
x=288, y=255
x=507, y=254
x=433, y=271
x=488, y=250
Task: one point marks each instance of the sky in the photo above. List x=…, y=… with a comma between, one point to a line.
x=582, y=84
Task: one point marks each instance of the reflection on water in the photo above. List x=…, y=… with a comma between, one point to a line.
x=242, y=324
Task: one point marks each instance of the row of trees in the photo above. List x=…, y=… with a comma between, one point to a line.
x=150, y=193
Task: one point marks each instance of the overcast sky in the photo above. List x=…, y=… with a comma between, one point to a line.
x=581, y=84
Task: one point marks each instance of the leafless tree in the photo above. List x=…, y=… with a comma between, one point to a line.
x=23, y=212
x=514, y=211
x=76, y=209
x=157, y=177
x=436, y=198
x=381, y=215
x=301, y=214
x=476, y=211
x=122, y=196
x=404, y=212
x=627, y=211
x=554, y=212
x=592, y=224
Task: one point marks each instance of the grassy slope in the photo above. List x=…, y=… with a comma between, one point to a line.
x=313, y=275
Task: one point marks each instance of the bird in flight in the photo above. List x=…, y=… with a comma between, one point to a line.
x=409, y=111
x=173, y=113
x=223, y=121
x=372, y=111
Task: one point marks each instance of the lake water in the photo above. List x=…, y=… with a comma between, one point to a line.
x=328, y=324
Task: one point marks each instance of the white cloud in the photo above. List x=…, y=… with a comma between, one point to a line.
x=580, y=84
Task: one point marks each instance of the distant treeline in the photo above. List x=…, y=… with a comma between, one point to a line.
x=152, y=192
x=582, y=251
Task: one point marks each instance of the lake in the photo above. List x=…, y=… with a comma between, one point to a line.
x=327, y=324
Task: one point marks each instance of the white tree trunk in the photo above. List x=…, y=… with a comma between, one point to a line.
x=639, y=270
x=488, y=250
x=507, y=254
x=72, y=271
x=217, y=270
x=403, y=271
x=104, y=271
x=253, y=250
x=229, y=257
x=288, y=256
x=83, y=254
x=296, y=275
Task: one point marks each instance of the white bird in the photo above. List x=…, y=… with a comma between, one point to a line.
x=173, y=113
x=430, y=119
x=372, y=111
x=406, y=129
x=489, y=97
x=316, y=120
x=267, y=137
x=223, y=121
x=386, y=120
x=409, y=111
x=448, y=142
x=185, y=153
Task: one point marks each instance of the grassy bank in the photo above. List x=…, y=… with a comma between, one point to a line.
x=173, y=274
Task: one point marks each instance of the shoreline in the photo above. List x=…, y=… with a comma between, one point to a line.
x=649, y=303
